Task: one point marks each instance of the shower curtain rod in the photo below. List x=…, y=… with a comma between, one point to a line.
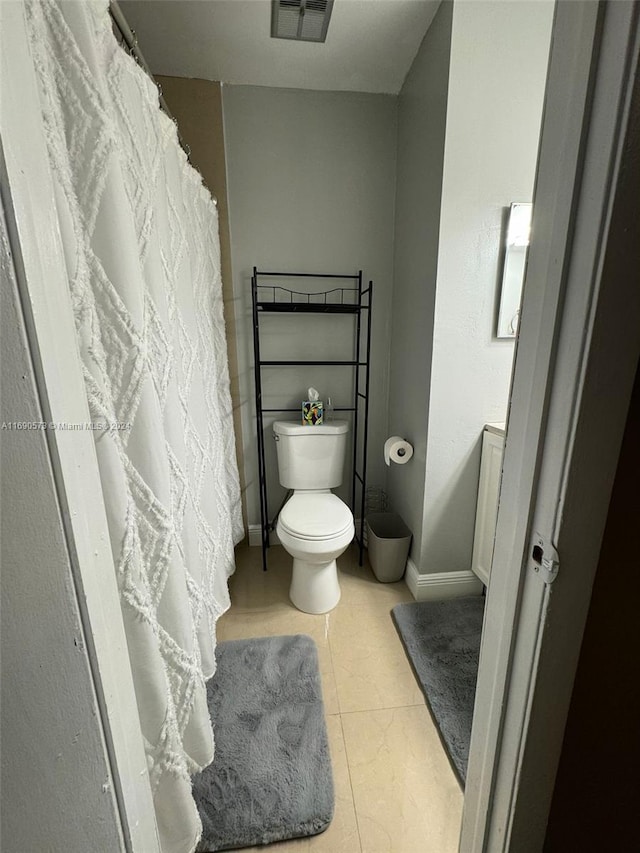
x=131, y=39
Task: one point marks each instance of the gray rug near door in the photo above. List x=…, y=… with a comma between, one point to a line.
x=271, y=776
x=442, y=641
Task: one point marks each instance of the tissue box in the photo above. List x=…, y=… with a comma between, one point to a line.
x=312, y=412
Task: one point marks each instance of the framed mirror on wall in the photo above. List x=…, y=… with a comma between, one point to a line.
x=517, y=243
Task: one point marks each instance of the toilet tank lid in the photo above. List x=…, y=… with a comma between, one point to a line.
x=296, y=428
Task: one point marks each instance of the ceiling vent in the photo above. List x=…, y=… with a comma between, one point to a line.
x=300, y=20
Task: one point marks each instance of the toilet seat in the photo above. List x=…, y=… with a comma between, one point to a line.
x=315, y=516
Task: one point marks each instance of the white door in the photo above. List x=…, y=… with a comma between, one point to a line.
x=574, y=370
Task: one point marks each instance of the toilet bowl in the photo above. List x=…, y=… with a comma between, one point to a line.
x=315, y=527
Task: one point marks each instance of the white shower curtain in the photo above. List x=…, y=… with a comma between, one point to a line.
x=140, y=236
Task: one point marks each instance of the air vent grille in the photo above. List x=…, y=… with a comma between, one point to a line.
x=300, y=20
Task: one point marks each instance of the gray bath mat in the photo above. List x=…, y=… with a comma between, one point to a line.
x=442, y=641
x=271, y=776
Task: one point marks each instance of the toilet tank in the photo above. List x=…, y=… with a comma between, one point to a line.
x=310, y=457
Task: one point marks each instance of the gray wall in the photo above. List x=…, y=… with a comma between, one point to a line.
x=497, y=76
x=311, y=183
x=421, y=134
x=57, y=792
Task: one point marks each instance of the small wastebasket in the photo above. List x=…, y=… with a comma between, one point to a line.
x=389, y=539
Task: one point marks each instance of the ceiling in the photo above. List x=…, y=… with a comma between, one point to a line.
x=369, y=48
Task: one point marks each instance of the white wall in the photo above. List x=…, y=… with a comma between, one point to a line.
x=311, y=183
x=57, y=789
x=422, y=109
x=497, y=78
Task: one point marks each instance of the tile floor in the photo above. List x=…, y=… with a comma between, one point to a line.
x=395, y=790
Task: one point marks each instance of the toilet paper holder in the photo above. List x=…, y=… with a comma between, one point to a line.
x=397, y=450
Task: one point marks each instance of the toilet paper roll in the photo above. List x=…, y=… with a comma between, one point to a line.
x=397, y=450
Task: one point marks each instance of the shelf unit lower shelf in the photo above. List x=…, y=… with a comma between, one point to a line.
x=353, y=300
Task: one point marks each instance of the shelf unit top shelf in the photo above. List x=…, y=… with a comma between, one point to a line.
x=307, y=308
x=349, y=276
x=276, y=299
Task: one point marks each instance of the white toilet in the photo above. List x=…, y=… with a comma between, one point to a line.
x=314, y=526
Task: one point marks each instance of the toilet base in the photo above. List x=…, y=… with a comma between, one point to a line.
x=314, y=586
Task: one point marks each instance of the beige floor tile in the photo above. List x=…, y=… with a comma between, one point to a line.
x=251, y=588
x=342, y=834
x=370, y=666
x=359, y=584
x=368, y=679
x=406, y=796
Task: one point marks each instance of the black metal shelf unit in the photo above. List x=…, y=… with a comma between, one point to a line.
x=274, y=299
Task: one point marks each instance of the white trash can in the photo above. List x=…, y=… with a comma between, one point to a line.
x=389, y=539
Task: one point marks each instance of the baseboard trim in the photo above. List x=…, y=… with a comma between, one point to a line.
x=440, y=585
x=255, y=536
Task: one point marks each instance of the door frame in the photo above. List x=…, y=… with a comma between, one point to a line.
x=575, y=363
x=28, y=199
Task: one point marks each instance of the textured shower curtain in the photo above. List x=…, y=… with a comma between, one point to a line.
x=140, y=236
